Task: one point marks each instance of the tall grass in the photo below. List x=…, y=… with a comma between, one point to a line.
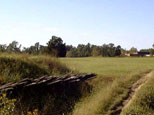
x=15, y=67
x=102, y=101
x=143, y=103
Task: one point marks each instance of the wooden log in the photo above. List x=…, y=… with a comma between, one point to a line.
x=44, y=81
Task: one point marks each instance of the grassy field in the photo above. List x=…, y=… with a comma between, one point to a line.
x=110, y=67
x=115, y=77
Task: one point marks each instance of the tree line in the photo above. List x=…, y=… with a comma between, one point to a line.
x=57, y=48
x=106, y=50
x=54, y=47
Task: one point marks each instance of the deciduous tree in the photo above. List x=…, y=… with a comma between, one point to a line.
x=56, y=47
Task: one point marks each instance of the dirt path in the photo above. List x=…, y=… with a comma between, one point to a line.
x=131, y=94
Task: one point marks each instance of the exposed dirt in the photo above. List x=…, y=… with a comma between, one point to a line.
x=131, y=94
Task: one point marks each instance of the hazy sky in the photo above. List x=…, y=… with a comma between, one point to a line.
x=125, y=22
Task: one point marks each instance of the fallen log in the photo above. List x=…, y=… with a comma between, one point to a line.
x=44, y=82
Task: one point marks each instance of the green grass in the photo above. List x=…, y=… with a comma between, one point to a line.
x=143, y=103
x=113, y=67
x=107, y=96
x=14, y=67
x=115, y=76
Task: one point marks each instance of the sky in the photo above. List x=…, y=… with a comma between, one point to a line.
x=122, y=22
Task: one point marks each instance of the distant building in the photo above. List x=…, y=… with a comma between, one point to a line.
x=138, y=54
x=134, y=54
x=144, y=53
x=127, y=54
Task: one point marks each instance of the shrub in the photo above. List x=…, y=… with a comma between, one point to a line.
x=6, y=105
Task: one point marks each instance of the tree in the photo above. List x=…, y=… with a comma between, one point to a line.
x=43, y=49
x=104, y=50
x=80, y=50
x=118, y=51
x=13, y=47
x=56, y=47
x=72, y=53
x=37, y=47
x=152, y=51
x=3, y=48
x=111, y=50
x=30, y=50
x=69, y=47
x=95, y=51
x=84, y=50
x=87, y=50
x=133, y=50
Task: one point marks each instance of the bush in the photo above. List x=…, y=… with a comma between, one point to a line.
x=6, y=105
